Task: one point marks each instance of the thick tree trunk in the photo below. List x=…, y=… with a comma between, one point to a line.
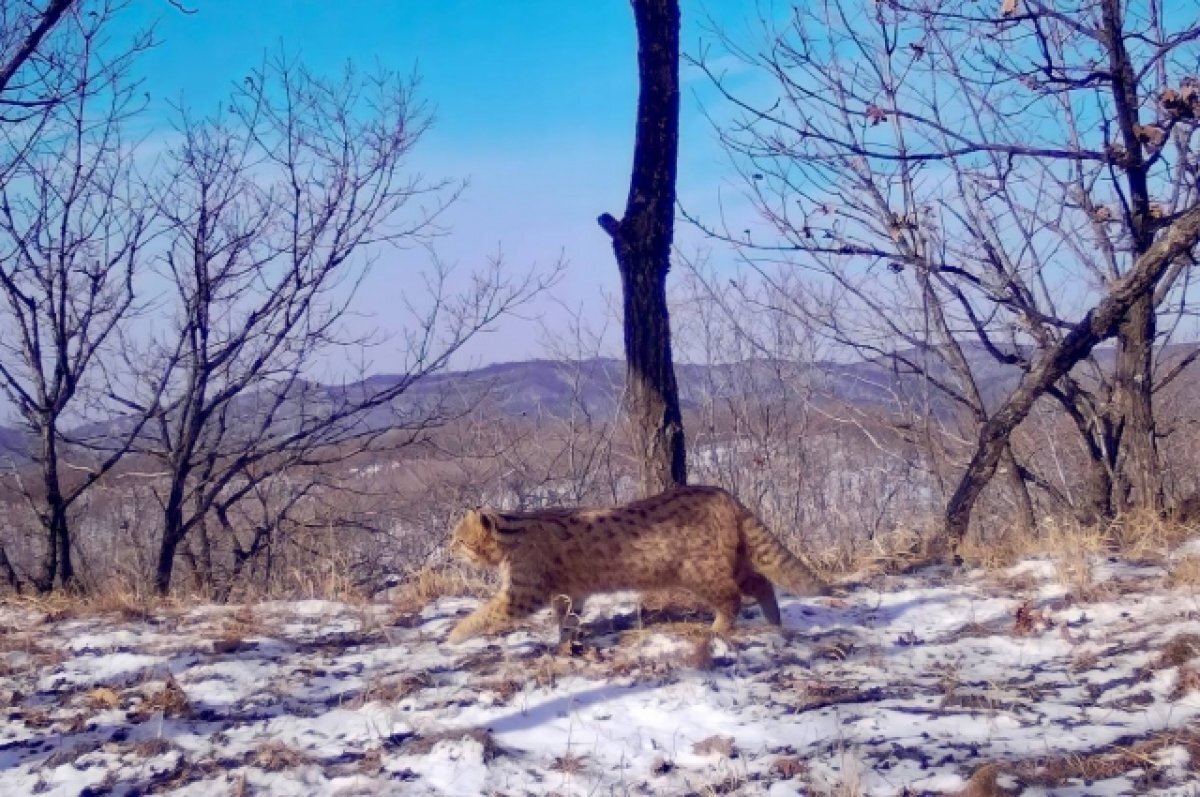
x=1140, y=475
x=166, y=563
x=58, y=569
x=1138, y=482
x=1101, y=487
x=61, y=532
x=1099, y=324
x=173, y=532
x=642, y=245
x=202, y=565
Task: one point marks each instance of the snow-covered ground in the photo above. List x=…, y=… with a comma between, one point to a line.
x=900, y=685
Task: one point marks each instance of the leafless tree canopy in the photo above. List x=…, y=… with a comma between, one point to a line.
x=192, y=308
x=953, y=177
x=73, y=226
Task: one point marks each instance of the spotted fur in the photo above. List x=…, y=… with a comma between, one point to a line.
x=700, y=539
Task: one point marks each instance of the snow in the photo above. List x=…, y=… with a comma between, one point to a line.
x=900, y=685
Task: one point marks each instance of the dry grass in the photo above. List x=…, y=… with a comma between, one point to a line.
x=170, y=700
x=505, y=688
x=788, y=767
x=275, y=756
x=1185, y=572
x=1056, y=771
x=438, y=581
x=1105, y=764
x=121, y=603
x=393, y=690
x=850, y=783
x=1075, y=549
x=1147, y=536
x=1085, y=660
x=1186, y=682
x=1142, y=536
x=423, y=745
x=569, y=763
x=720, y=745
x=102, y=698
x=895, y=552
x=1177, y=651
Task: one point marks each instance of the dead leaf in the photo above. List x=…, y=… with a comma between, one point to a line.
x=721, y=745
x=103, y=697
x=1008, y=8
x=1153, y=135
x=1030, y=620
x=789, y=767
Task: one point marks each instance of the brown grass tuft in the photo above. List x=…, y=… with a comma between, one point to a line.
x=1186, y=682
x=1106, y=763
x=1179, y=650
x=102, y=698
x=720, y=745
x=1147, y=536
x=154, y=746
x=789, y=767
x=569, y=763
x=171, y=700
x=1141, y=536
x=423, y=745
x=393, y=690
x=122, y=602
x=275, y=756
x=1185, y=572
x=438, y=581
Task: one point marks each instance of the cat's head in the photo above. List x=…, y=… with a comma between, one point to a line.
x=475, y=538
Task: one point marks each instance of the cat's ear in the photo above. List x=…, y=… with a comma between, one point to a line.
x=489, y=520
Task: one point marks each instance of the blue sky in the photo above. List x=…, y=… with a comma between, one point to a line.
x=534, y=104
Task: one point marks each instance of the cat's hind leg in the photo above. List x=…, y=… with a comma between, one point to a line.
x=759, y=588
x=725, y=600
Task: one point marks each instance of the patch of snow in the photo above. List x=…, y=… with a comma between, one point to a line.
x=908, y=686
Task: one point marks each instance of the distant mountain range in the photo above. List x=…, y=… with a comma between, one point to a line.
x=548, y=388
x=555, y=388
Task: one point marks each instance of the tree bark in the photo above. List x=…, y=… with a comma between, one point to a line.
x=1099, y=324
x=1139, y=482
x=58, y=569
x=173, y=534
x=642, y=245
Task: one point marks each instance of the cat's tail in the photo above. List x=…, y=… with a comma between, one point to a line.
x=777, y=563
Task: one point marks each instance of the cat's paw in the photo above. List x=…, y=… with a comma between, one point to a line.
x=461, y=633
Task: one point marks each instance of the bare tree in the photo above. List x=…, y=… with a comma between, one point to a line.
x=73, y=225
x=642, y=245
x=275, y=209
x=951, y=174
